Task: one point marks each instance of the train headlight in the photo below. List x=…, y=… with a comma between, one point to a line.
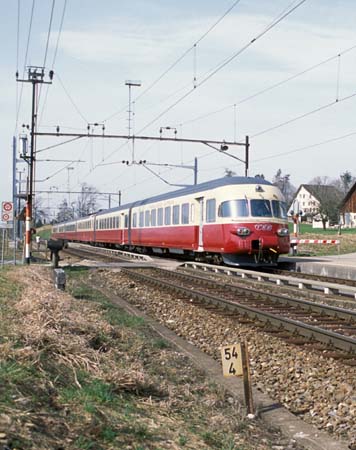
x=283, y=232
x=243, y=231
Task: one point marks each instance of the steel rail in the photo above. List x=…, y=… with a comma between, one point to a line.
x=311, y=332
x=311, y=276
x=279, y=280
x=332, y=311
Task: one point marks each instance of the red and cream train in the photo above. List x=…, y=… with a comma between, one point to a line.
x=235, y=220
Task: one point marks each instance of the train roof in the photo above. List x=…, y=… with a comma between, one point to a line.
x=225, y=181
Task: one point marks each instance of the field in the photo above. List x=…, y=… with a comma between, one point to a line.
x=347, y=240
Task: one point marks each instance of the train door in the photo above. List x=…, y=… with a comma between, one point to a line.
x=200, y=219
x=129, y=219
x=94, y=222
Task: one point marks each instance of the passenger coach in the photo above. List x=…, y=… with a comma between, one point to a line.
x=235, y=220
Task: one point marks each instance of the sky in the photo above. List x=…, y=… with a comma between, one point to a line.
x=290, y=87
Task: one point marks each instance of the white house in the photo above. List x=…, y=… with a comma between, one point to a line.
x=307, y=200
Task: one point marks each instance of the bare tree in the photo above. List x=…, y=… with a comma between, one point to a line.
x=329, y=197
x=87, y=200
x=284, y=185
x=40, y=215
x=65, y=212
x=345, y=182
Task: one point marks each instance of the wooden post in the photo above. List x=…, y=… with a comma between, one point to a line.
x=247, y=379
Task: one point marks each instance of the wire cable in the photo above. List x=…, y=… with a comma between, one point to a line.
x=307, y=147
x=17, y=51
x=71, y=100
x=269, y=88
x=54, y=57
x=49, y=33
x=25, y=63
x=177, y=61
x=57, y=145
x=46, y=52
x=274, y=23
x=302, y=116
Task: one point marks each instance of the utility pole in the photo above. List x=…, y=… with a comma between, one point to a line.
x=131, y=83
x=14, y=195
x=35, y=76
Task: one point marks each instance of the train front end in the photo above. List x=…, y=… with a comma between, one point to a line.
x=255, y=225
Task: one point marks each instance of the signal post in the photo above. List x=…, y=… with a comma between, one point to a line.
x=35, y=76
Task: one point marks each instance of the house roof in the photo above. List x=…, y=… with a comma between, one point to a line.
x=319, y=191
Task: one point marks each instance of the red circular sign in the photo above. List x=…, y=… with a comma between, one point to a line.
x=5, y=217
x=7, y=206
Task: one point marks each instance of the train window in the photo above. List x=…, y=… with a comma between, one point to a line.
x=160, y=216
x=140, y=221
x=126, y=221
x=279, y=209
x=147, y=218
x=185, y=213
x=211, y=210
x=153, y=217
x=234, y=208
x=261, y=208
x=134, y=220
x=176, y=214
x=167, y=215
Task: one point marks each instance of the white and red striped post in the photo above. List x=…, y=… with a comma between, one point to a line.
x=28, y=232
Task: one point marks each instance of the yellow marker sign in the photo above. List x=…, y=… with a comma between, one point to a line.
x=231, y=356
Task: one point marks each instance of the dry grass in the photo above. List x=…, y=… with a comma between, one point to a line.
x=78, y=373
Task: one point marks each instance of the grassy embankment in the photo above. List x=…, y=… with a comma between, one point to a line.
x=76, y=372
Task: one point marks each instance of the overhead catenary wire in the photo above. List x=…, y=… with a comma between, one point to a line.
x=46, y=49
x=275, y=21
x=271, y=87
x=17, y=48
x=25, y=63
x=49, y=33
x=178, y=60
x=285, y=13
x=220, y=66
x=71, y=99
x=54, y=57
x=307, y=147
x=302, y=116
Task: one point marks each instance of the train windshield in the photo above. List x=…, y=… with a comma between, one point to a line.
x=234, y=208
x=279, y=209
x=261, y=208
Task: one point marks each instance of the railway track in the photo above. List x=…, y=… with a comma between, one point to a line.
x=311, y=276
x=102, y=254
x=305, y=322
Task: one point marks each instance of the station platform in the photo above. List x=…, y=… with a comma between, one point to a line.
x=340, y=266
